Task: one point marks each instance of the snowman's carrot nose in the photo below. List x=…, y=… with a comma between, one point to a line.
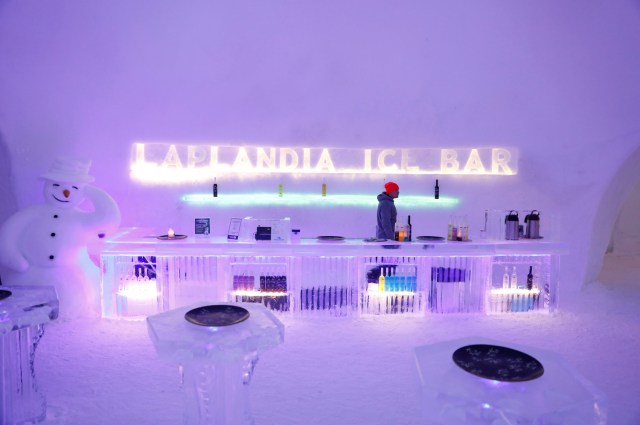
x=66, y=193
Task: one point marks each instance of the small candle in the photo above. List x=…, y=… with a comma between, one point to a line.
x=171, y=233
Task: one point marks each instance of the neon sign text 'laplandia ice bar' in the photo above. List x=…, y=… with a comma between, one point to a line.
x=176, y=163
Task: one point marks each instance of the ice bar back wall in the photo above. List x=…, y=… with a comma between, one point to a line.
x=556, y=81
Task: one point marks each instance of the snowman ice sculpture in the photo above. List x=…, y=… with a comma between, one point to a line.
x=47, y=244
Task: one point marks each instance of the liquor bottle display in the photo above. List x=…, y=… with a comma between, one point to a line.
x=436, y=193
x=530, y=278
x=407, y=233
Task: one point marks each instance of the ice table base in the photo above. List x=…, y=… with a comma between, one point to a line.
x=22, y=318
x=452, y=396
x=217, y=394
x=20, y=399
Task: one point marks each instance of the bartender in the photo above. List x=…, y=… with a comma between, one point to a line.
x=387, y=211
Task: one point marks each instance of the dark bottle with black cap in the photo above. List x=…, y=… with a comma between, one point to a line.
x=437, y=191
x=530, y=278
x=407, y=234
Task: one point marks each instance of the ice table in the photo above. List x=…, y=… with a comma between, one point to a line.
x=216, y=362
x=453, y=396
x=24, y=310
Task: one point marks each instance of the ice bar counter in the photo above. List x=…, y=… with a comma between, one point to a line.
x=142, y=275
x=217, y=362
x=487, y=385
x=24, y=311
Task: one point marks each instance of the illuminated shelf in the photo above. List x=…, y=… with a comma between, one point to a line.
x=378, y=293
x=514, y=291
x=258, y=294
x=139, y=290
x=316, y=200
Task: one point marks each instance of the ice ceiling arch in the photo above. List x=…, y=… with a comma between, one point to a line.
x=619, y=188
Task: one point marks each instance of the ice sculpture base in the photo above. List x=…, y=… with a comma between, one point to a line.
x=22, y=319
x=216, y=362
x=452, y=396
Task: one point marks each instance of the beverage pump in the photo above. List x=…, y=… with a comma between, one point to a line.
x=532, y=223
x=512, y=223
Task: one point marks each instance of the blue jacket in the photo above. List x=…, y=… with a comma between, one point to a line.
x=387, y=215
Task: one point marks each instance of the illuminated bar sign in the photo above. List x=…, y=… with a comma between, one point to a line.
x=177, y=163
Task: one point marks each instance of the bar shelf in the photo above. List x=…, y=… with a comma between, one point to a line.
x=263, y=282
x=504, y=296
x=391, y=286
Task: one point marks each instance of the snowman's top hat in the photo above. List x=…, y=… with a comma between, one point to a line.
x=69, y=170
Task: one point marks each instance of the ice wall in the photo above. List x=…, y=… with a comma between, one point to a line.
x=557, y=80
x=7, y=194
x=626, y=232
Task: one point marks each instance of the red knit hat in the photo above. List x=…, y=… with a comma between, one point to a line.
x=391, y=187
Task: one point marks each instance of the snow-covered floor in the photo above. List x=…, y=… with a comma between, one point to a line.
x=340, y=371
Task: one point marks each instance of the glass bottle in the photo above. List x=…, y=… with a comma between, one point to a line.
x=505, y=278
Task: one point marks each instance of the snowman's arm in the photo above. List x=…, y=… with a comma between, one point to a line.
x=106, y=215
x=10, y=233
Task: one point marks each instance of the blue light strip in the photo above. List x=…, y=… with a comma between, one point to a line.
x=315, y=200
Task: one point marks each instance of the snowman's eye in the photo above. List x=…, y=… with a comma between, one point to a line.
x=56, y=184
x=75, y=187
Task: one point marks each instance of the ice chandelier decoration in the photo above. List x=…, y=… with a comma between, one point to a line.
x=316, y=200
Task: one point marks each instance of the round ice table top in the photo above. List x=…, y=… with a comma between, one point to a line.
x=27, y=306
x=558, y=389
x=178, y=340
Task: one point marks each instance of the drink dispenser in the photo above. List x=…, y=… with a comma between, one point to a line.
x=532, y=223
x=512, y=223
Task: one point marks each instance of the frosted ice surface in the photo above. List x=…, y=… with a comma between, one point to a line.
x=27, y=306
x=178, y=340
x=453, y=396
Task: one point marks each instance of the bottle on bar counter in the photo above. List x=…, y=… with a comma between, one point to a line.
x=452, y=234
x=436, y=193
x=530, y=278
x=465, y=229
x=407, y=233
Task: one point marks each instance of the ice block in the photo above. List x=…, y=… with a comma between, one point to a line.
x=216, y=361
x=453, y=396
x=24, y=310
